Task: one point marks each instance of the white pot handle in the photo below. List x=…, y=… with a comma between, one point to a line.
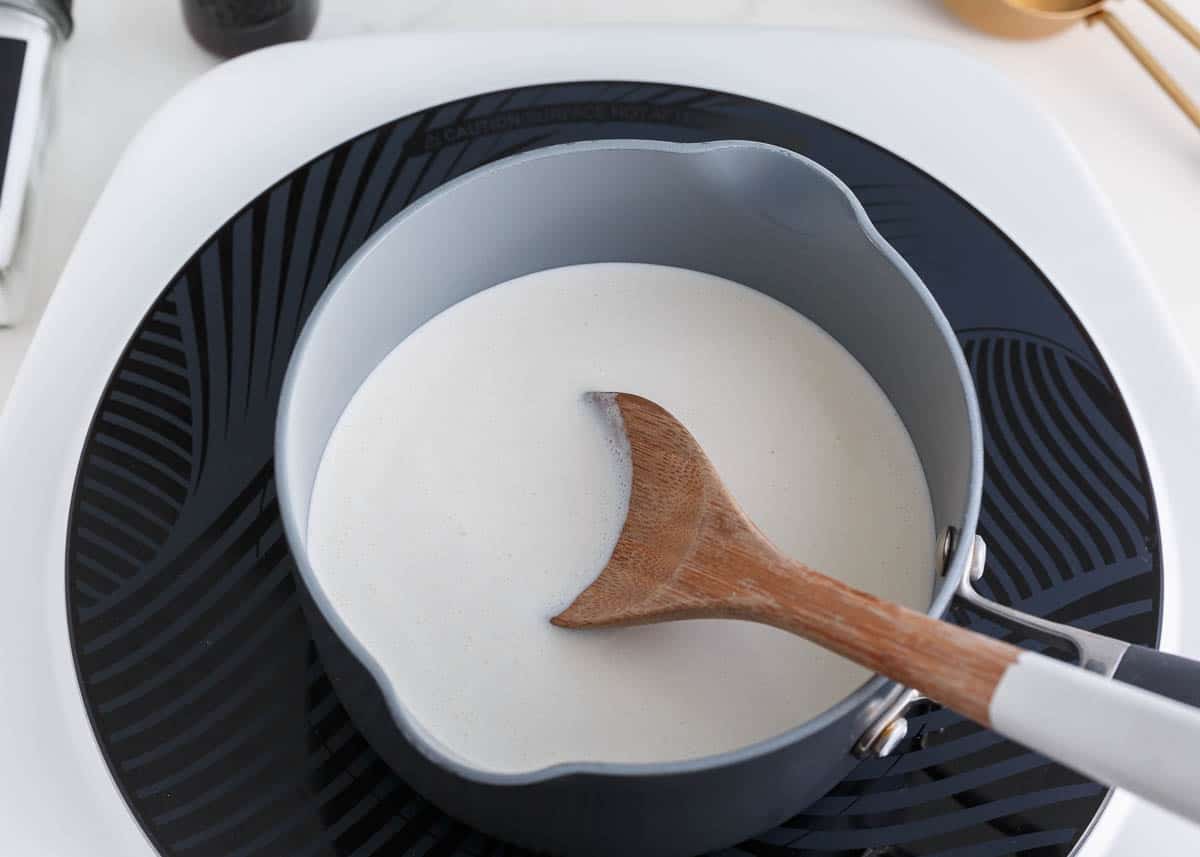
x=1109, y=731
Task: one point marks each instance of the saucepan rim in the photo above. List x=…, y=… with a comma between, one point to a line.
x=414, y=733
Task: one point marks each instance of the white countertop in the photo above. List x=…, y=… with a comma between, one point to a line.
x=128, y=56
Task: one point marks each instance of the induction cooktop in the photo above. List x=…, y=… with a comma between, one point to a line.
x=200, y=690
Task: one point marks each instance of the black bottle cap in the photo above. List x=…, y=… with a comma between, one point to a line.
x=232, y=27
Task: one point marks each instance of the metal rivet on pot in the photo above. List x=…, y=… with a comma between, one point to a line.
x=946, y=547
x=889, y=739
x=978, y=559
x=889, y=727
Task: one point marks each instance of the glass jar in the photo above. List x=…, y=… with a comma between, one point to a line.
x=31, y=33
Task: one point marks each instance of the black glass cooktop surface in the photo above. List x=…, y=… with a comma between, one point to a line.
x=195, y=662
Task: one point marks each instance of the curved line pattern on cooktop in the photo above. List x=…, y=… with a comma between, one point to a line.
x=197, y=668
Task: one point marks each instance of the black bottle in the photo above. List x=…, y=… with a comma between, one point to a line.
x=232, y=27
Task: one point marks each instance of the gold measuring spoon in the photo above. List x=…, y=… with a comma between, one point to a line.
x=1024, y=19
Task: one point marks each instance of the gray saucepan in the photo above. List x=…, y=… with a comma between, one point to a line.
x=756, y=214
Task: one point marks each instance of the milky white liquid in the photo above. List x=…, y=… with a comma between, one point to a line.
x=469, y=492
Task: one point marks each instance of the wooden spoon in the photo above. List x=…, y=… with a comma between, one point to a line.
x=687, y=551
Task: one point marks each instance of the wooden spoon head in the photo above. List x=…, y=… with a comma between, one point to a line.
x=673, y=489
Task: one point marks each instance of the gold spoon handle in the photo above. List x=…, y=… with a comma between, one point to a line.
x=1168, y=84
x=1181, y=24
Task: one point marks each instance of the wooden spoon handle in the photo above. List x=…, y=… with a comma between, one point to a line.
x=1112, y=732
x=956, y=667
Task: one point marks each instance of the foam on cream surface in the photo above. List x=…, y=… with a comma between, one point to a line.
x=469, y=492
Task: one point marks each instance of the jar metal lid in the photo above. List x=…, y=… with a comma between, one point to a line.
x=57, y=12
